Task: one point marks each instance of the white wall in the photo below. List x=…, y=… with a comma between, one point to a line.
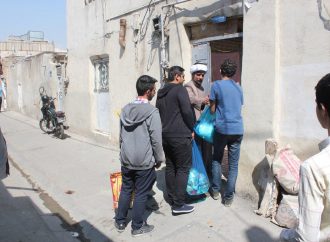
x=24, y=77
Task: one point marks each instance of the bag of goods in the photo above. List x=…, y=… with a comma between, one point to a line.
x=198, y=182
x=116, y=182
x=204, y=127
x=285, y=168
x=287, y=212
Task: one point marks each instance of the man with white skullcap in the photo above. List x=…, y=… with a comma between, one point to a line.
x=198, y=97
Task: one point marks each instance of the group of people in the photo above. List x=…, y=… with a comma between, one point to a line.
x=152, y=135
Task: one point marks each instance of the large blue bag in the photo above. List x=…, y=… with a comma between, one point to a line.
x=198, y=182
x=204, y=127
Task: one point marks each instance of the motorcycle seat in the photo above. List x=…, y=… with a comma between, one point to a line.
x=60, y=114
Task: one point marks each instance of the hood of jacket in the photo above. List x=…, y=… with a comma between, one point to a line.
x=166, y=89
x=135, y=113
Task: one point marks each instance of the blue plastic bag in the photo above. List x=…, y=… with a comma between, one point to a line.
x=198, y=182
x=204, y=127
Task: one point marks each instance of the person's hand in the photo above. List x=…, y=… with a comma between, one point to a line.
x=158, y=164
x=206, y=101
x=193, y=135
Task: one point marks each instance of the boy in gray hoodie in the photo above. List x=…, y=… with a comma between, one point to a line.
x=141, y=152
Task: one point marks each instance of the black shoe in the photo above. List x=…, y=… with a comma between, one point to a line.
x=228, y=202
x=184, y=209
x=146, y=228
x=120, y=227
x=215, y=195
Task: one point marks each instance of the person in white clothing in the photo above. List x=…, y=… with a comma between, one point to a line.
x=314, y=191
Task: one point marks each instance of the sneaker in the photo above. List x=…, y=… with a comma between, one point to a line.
x=228, y=202
x=120, y=227
x=184, y=209
x=216, y=195
x=146, y=228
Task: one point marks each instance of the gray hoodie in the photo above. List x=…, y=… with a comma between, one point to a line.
x=140, y=136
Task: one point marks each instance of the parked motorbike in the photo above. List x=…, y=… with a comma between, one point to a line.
x=52, y=121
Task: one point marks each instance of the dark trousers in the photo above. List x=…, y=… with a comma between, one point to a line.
x=206, y=149
x=0, y=102
x=178, y=152
x=141, y=182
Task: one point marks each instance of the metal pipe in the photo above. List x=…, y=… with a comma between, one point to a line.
x=164, y=62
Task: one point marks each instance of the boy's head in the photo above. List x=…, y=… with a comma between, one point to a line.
x=176, y=73
x=228, y=68
x=145, y=86
x=322, y=93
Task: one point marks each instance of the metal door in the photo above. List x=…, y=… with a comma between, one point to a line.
x=102, y=96
x=201, y=52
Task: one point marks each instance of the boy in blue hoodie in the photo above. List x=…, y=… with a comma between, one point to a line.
x=141, y=152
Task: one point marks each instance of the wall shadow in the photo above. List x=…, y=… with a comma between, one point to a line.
x=259, y=178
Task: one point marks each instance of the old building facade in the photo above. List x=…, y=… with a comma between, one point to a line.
x=282, y=48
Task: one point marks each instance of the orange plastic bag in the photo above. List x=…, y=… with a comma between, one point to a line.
x=116, y=182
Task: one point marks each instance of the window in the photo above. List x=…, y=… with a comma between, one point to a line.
x=101, y=78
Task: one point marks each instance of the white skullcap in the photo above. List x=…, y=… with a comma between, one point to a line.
x=198, y=67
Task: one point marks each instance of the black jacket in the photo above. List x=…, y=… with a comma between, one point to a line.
x=175, y=111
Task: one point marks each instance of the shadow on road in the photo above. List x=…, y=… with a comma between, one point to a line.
x=256, y=234
x=22, y=220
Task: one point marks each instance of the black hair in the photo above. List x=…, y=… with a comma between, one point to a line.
x=174, y=70
x=144, y=83
x=228, y=68
x=322, y=93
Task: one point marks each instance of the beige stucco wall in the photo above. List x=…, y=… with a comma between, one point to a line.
x=28, y=74
x=285, y=52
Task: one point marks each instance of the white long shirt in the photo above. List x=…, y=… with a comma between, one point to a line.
x=314, y=199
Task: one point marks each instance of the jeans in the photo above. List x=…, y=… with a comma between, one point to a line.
x=178, y=152
x=233, y=143
x=141, y=182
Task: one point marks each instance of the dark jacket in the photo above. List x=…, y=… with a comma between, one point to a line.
x=175, y=111
x=140, y=136
x=4, y=165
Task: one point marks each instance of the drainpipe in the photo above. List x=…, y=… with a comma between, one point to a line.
x=164, y=62
x=122, y=33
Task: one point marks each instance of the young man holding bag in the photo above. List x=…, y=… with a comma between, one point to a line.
x=226, y=100
x=141, y=152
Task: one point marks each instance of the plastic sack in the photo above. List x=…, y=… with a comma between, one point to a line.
x=198, y=182
x=116, y=182
x=287, y=212
x=204, y=127
x=285, y=168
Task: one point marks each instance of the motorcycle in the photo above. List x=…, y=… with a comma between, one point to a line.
x=52, y=121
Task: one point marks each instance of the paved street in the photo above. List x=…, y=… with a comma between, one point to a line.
x=70, y=179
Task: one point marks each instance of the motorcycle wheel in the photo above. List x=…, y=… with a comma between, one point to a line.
x=61, y=131
x=46, y=126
